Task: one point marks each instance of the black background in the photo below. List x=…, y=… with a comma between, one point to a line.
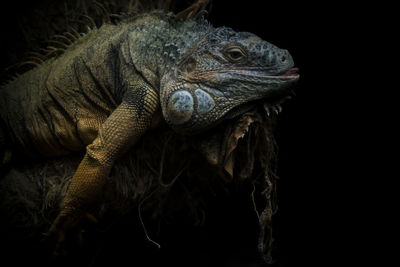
x=312, y=219
x=316, y=224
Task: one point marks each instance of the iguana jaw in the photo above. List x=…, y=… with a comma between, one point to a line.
x=252, y=84
x=203, y=100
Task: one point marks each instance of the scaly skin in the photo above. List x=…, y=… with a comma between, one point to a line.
x=104, y=91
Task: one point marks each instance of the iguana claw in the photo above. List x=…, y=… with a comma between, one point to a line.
x=67, y=231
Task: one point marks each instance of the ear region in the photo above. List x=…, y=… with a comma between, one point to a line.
x=188, y=65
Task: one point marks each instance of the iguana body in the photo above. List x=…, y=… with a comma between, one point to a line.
x=60, y=106
x=104, y=92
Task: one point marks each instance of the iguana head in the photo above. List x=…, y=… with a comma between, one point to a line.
x=221, y=76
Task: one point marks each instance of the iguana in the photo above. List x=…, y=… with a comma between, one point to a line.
x=117, y=82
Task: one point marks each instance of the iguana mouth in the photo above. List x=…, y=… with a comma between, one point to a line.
x=260, y=74
x=291, y=73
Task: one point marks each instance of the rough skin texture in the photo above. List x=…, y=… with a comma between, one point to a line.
x=110, y=86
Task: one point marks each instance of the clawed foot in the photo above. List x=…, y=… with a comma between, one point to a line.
x=67, y=231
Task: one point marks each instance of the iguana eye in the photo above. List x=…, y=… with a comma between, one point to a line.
x=235, y=54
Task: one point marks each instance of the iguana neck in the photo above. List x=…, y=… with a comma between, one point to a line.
x=156, y=43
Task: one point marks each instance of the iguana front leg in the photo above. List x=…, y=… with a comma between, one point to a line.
x=119, y=132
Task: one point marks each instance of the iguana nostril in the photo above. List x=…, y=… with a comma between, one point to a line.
x=285, y=57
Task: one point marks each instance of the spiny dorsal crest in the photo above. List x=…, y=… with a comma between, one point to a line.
x=80, y=17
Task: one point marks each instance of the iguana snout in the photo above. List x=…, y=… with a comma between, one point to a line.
x=222, y=76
